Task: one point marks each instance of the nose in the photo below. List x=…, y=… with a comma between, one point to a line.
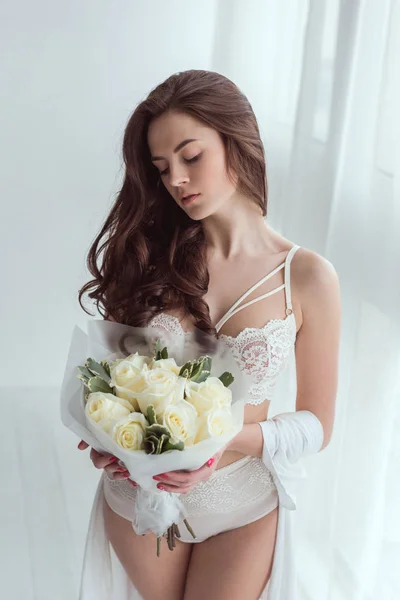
x=178, y=177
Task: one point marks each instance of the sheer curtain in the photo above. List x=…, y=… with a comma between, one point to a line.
x=324, y=80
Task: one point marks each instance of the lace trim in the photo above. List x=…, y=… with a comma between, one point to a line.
x=120, y=488
x=230, y=488
x=167, y=322
x=263, y=353
x=227, y=491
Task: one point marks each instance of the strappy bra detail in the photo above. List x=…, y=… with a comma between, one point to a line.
x=261, y=352
x=236, y=308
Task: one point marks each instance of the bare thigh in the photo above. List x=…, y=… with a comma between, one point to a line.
x=235, y=564
x=156, y=578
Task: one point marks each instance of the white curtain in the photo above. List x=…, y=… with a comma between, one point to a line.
x=323, y=77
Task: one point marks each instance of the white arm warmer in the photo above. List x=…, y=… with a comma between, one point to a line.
x=288, y=437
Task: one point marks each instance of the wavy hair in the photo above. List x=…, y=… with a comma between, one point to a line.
x=154, y=255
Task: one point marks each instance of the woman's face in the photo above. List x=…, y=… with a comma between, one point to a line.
x=190, y=167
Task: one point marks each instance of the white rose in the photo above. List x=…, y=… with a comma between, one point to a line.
x=166, y=363
x=209, y=394
x=129, y=432
x=181, y=420
x=214, y=423
x=106, y=409
x=127, y=377
x=161, y=388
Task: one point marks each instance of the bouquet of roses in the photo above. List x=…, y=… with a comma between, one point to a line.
x=124, y=393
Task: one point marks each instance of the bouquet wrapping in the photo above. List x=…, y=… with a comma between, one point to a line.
x=159, y=401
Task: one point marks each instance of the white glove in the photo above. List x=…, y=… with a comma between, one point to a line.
x=287, y=438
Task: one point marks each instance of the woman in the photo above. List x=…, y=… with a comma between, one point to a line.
x=188, y=246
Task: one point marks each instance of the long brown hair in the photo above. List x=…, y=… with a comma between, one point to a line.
x=154, y=255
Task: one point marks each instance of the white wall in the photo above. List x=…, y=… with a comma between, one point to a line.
x=74, y=72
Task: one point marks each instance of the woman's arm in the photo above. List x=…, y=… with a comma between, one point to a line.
x=317, y=353
x=249, y=441
x=317, y=343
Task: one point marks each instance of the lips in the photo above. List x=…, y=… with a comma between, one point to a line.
x=188, y=199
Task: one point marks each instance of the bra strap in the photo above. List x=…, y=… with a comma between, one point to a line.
x=230, y=314
x=235, y=307
x=289, y=308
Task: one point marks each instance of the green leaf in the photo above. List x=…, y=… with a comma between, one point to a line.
x=186, y=370
x=178, y=445
x=203, y=376
x=96, y=384
x=158, y=440
x=84, y=379
x=157, y=429
x=97, y=369
x=227, y=378
x=150, y=446
x=162, y=441
x=157, y=348
x=196, y=371
x=106, y=367
x=162, y=354
x=201, y=369
x=207, y=362
x=84, y=373
x=151, y=414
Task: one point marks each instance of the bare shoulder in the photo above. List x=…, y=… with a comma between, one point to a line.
x=318, y=340
x=310, y=269
x=315, y=283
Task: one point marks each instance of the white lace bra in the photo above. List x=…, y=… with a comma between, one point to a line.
x=261, y=352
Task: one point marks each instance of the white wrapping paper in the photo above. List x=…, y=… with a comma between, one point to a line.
x=154, y=510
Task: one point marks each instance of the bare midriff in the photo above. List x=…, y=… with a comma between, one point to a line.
x=252, y=414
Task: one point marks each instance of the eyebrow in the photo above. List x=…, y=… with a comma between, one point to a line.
x=179, y=146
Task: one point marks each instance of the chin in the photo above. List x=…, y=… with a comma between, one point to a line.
x=199, y=213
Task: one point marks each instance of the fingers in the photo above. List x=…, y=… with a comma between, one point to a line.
x=174, y=489
x=182, y=479
x=181, y=482
x=115, y=469
x=174, y=478
x=123, y=475
x=117, y=473
x=101, y=460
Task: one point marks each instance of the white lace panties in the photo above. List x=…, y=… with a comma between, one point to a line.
x=235, y=495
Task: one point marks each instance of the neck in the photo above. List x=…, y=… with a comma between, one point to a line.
x=237, y=233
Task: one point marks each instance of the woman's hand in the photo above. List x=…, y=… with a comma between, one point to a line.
x=115, y=469
x=181, y=482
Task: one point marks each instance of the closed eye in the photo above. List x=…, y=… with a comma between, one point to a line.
x=187, y=160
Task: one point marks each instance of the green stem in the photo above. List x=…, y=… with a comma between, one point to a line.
x=190, y=530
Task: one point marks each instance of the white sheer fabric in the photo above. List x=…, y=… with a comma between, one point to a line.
x=324, y=83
